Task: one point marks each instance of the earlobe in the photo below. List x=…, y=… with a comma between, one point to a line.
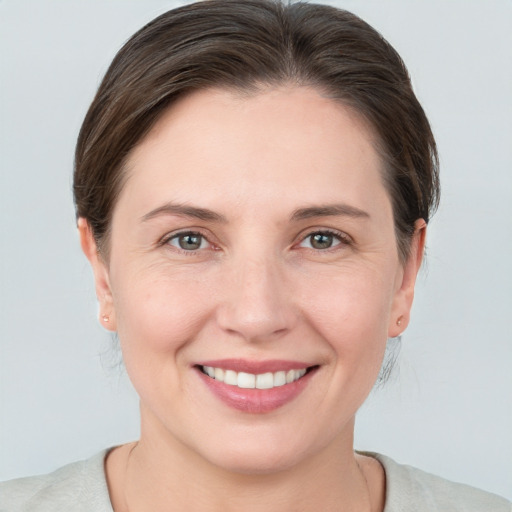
x=101, y=275
x=404, y=294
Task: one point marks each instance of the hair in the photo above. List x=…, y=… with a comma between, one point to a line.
x=247, y=45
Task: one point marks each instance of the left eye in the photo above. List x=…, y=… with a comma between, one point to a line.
x=188, y=241
x=321, y=240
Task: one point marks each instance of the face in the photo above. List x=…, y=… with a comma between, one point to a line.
x=254, y=277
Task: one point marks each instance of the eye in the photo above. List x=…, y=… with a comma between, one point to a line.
x=189, y=241
x=322, y=240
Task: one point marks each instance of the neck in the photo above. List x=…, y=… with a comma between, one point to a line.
x=160, y=473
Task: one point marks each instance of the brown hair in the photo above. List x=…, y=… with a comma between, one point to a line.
x=244, y=44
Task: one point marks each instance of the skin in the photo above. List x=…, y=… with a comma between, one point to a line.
x=256, y=289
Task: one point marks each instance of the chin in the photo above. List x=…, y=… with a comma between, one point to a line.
x=247, y=460
x=260, y=451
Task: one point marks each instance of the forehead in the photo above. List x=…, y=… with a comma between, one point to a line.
x=222, y=144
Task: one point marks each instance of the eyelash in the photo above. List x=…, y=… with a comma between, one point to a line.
x=342, y=238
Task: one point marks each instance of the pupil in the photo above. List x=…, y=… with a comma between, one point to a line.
x=190, y=242
x=321, y=241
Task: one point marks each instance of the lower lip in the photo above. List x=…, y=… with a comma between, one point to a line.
x=256, y=401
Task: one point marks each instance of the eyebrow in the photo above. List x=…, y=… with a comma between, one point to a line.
x=329, y=210
x=184, y=210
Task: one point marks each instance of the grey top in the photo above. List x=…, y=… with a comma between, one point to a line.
x=81, y=487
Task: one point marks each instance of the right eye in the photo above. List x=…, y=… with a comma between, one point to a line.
x=188, y=241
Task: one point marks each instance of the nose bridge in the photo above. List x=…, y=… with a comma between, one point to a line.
x=256, y=304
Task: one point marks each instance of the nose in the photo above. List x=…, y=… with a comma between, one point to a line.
x=257, y=304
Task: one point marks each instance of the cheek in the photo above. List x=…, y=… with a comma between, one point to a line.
x=162, y=313
x=350, y=310
x=350, y=301
x=157, y=318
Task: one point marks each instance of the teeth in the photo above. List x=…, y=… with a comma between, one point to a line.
x=265, y=381
x=230, y=377
x=279, y=379
x=245, y=380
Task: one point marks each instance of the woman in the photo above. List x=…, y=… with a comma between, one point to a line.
x=253, y=184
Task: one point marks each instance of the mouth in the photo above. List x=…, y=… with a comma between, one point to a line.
x=244, y=380
x=255, y=387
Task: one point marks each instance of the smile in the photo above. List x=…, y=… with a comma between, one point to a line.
x=255, y=386
x=267, y=380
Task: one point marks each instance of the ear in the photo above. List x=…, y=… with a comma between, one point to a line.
x=101, y=275
x=406, y=280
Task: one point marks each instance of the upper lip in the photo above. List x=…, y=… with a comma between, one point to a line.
x=256, y=367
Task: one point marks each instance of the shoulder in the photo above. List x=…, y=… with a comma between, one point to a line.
x=77, y=487
x=408, y=488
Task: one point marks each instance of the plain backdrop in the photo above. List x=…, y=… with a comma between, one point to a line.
x=448, y=406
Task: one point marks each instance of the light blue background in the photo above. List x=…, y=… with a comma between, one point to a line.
x=449, y=407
